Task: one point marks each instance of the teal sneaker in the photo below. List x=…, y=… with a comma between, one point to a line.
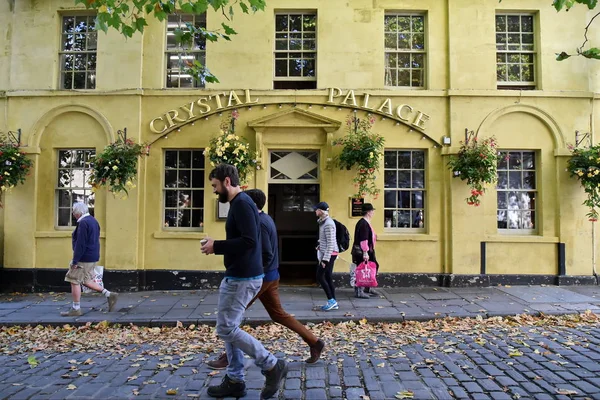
x=331, y=305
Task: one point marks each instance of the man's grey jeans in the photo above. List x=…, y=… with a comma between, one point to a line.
x=234, y=296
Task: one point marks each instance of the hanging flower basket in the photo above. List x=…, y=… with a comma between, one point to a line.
x=584, y=165
x=229, y=148
x=14, y=166
x=116, y=166
x=476, y=163
x=361, y=150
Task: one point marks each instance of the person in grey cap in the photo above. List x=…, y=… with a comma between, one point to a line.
x=327, y=252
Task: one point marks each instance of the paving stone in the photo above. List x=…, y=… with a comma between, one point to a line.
x=352, y=381
x=585, y=387
x=472, y=387
x=314, y=394
x=315, y=383
x=294, y=394
x=355, y=393
x=335, y=391
x=293, y=384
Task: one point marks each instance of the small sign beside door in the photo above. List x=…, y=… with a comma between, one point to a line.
x=356, y=207
x=222, y=210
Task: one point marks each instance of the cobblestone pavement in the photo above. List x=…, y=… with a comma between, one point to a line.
x=532, y=361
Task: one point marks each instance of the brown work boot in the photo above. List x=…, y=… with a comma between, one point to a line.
x=71, y=313
x=112, y=301
x=219, y=363
x=315, y=352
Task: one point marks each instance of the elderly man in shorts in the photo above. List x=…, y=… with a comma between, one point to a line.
x=86, y=254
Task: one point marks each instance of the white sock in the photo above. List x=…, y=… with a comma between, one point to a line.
x=105, y=292
x=76, y=306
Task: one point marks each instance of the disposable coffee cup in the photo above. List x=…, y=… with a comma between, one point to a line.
x=203, y=242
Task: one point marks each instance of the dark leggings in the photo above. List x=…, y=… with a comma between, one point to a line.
x=324, y=277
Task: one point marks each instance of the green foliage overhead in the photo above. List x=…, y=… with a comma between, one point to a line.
x=566, y=5
x=130, y=17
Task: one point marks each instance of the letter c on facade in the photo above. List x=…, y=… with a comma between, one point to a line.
x=153, y=129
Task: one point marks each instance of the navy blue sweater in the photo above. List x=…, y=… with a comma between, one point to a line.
x=270, y=254
x=86, y=241
x=242, y=247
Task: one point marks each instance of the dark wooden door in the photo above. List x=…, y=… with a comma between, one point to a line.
x=291, y=206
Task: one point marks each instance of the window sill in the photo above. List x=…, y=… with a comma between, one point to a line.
x=59, y=234
x=193, y=235
x=406, y=237
x=508, y=238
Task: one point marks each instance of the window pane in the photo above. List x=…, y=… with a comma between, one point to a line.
x=389, y=159
x=514, y=23
x=170, y=178
x=170, y=198
x=403, y=60
x=404, y=179
x=502, y=180
x=198, y=199
x=418, y=179
x=404, y=199
x=418, y=159
x=64, y=217
x=390, y=180
x=404, y=77
x=390, y=41
x=404, y=159
x=389, y=200
x=417, y=199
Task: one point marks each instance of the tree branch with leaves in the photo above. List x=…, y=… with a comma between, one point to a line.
x=129, y=17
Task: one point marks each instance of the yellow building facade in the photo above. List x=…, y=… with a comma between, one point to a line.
x=426, y=70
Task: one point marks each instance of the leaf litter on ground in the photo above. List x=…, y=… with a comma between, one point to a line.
x=382, y=341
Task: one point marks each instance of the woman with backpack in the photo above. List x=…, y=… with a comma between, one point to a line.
x=327, y=252
x=363, y=248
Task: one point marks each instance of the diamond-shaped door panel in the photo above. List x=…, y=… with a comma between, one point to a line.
x=295, y=166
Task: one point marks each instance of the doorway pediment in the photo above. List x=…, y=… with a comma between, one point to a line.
x=295, y=118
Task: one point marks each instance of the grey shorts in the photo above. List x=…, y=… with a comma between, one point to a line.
x=84, y=273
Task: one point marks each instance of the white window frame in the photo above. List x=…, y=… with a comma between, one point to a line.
x=91, y=50
x=180, y=54
x=413, y=210
x=536, y=191
x=410, y=52
x=86, y=188
x=191, y=188
x=508, y=53
x=288, y=51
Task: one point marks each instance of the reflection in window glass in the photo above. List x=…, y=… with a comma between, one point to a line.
x=72, y=183
x=515, y=50
x=517, y=190
x=404, y=189
x=184, y=189
x=78, y=52
x=296, y=46
x=404, y=41
x=181, y=55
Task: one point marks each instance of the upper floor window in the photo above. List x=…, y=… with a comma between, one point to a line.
x=295, y=51
x=72, y=183
x=79, y=43
x=180, y=55
x=404, y=189
x=404, y=50
x=515, y=51
x=184, y=189
x=517, y=191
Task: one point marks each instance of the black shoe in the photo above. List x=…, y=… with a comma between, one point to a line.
x=273, y=379
x=227, y=388
x=315, y=352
